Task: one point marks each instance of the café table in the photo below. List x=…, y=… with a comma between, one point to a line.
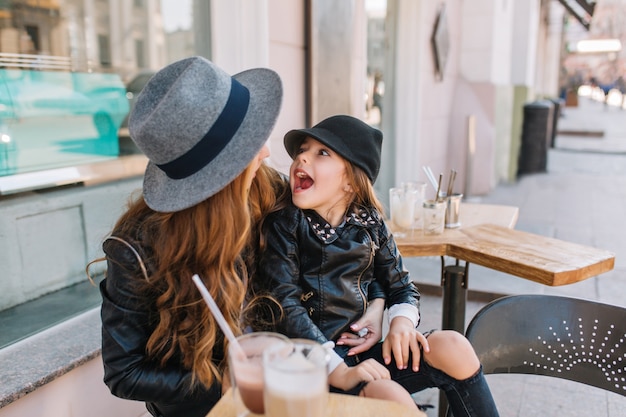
x=339, y=405
x=487, y=237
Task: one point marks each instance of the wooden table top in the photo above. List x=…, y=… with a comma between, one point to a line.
x=470, y=214
x=538, y=258
x=487, y=238
x=339, y=405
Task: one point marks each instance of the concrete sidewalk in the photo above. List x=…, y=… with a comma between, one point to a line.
x=581, y=198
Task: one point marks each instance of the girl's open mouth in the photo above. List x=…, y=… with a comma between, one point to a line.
x=302, y=181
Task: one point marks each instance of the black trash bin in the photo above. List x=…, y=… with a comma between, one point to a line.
x=536, y=137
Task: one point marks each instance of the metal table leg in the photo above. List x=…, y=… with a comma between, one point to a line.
x=454, y=283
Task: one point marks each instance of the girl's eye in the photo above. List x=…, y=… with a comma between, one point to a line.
x=324, y=152
x=299, y=151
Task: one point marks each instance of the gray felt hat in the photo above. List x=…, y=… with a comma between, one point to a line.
x=200, y=128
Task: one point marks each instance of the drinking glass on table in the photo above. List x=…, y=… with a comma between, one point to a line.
x=246, y=373
x=402, y=209
x=434, y=216
x=453, y=208
x=296, y=379
x=420, y=188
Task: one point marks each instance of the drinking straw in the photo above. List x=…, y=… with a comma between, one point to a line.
x=438, y=188
x=431, y=177
x=451, y=182
x=221, y=321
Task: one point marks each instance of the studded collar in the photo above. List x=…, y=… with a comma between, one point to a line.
x=328, y=234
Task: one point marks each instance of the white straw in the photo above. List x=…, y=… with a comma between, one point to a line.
x=431, y=176
x=221, y=321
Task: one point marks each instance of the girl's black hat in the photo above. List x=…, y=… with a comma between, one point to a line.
x=350, y=137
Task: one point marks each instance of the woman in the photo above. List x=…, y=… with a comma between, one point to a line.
x=204, y=134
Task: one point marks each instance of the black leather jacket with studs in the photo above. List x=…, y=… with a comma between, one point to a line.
x=324, y=277
x=129, y=316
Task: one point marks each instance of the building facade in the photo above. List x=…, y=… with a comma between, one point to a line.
x=444, y=80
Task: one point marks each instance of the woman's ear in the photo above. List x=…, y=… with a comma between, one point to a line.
x=348, y=188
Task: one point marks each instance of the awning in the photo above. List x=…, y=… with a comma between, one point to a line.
x=582, y=10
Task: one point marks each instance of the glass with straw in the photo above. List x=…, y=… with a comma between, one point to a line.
x=245, y=360
x=435, y=213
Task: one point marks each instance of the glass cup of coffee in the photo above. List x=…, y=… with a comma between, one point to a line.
x=296, y=379
x=246, y=372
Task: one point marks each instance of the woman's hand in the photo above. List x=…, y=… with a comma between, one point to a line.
x=401, y=340
x=345, y=377
x=367, y=331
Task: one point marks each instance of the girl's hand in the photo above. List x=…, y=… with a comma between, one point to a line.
x=401, y=340
x=345, y=377
x=371, y=327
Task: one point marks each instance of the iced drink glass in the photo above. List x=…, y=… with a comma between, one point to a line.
x=296, y=380
x=246, y=373
x=420, y=188
x=402, y=208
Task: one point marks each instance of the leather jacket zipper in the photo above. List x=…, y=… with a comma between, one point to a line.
x=369, y=263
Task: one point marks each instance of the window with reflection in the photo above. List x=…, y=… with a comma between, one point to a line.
x=71, y=69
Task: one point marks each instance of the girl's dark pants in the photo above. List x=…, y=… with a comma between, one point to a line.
x=467, y=398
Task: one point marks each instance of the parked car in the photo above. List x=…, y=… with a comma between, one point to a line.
x=51, y=119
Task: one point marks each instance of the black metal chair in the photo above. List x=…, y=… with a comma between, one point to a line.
x=562, y=337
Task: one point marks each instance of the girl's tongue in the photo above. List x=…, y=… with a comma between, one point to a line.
x=303, y=181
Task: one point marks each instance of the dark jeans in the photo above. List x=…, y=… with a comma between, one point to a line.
x=467, y=398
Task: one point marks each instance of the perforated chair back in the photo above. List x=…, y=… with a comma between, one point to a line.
x=562, y=337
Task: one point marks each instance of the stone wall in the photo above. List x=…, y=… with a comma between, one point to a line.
x=47, y=237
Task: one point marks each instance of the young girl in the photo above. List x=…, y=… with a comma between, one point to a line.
x=330, y=252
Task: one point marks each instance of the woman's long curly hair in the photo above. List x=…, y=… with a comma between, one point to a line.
x=269, y=192
x=214, y=239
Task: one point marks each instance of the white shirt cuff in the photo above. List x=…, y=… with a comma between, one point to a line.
x=405, y=310
x=335, y=360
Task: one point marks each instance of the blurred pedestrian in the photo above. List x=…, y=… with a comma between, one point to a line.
x=620, y=84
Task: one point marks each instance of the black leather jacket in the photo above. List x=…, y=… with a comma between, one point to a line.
x=128, y=319
x=324, y=277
